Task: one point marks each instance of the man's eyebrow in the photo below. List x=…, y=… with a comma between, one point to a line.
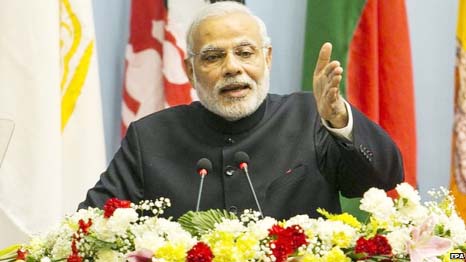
x=211, y=47
x=208, y=48
x=245, y=43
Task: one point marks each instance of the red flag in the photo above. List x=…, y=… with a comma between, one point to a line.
x=380, y=79
x=155, y=76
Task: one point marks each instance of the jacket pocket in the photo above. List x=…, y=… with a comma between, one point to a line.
x=287, y=180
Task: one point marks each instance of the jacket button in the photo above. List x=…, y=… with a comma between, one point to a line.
x=233, y=209
x=362, y=148
x=230, y=140
x=229, y=170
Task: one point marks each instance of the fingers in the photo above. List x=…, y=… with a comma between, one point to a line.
x=330, y=77
x=333, y=95
x=332, y=70
x=324, y=57
x=335, y=80
x=331, y=89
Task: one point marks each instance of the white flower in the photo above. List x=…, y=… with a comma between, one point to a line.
x=414, y=214
x=377, y=202
x=302, y=220
x=328, y=231
x=62, y=246
x=149, y=240
x=121, y=219
x=174, y=232
x=398, y=240
x=407, y=192
x=38, y=244
x=260, y=229
x=108, y=255
x=230, y=226
x=103, y=231
x=457, y=229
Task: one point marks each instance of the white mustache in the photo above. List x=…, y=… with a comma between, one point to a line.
x=239, y=80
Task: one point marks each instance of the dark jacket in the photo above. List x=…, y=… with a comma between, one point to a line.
x=296, y=164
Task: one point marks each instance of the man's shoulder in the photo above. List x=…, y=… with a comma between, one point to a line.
x=172, y=114
x=295, y=98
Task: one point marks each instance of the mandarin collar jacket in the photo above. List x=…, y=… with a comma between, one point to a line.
x=296, y=164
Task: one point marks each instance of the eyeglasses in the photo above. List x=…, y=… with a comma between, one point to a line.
x=244, y=53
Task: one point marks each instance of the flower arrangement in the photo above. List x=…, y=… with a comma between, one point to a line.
x=399, y=229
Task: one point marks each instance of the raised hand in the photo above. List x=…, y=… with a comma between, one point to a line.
x=326, y=81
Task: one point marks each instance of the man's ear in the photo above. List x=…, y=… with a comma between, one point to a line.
x=189, y=70
x=268, y=57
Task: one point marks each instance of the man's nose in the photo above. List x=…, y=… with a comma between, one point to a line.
x=231, y=65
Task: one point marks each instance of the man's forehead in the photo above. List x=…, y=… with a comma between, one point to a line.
x=228, y=29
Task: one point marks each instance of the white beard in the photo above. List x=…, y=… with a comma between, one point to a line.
x=231, y=108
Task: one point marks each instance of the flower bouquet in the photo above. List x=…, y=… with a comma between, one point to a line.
x=399, y=229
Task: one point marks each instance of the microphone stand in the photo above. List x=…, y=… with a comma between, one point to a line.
x=203, y=173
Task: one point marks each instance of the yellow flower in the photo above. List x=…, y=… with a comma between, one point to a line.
x=374, y=225
x=245, y=246
x=223, y=246
x=310, y=258
x=73, y=226
x=172, y=253
x=336, y=255
x=309, y=233
x=227, y=248
x=341, y=239
x=345, y=218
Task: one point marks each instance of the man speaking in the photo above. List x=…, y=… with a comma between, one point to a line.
x=301, y=150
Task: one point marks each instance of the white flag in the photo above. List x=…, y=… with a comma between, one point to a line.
x=49, y=88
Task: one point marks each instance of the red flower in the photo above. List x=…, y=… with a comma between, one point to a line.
x=74, y=258
x=84, y=227
x=200, y=253
x=383, y=247
x=21, y=254
x=378, y=245
x=276, y=230
x=281, y=249
x=286, y=241
x=74, y=248
x=112, y=204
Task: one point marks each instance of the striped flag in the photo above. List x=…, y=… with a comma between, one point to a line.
x=458, y=176
x=50, y=91
x=370, y=38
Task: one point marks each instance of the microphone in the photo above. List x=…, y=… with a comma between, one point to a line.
x=242, y=160
x=204, y=166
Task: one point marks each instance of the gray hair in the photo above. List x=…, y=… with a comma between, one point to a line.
x=219, y=9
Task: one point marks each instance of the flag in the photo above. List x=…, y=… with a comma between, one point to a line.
x=83, y=145
x=458, y=170
x=371, y=40
x=155, y=76
x=50, y=92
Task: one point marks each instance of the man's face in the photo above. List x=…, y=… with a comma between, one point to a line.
x=230, y=67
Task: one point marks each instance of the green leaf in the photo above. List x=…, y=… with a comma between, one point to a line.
x=9, y=251
x=199, y=223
